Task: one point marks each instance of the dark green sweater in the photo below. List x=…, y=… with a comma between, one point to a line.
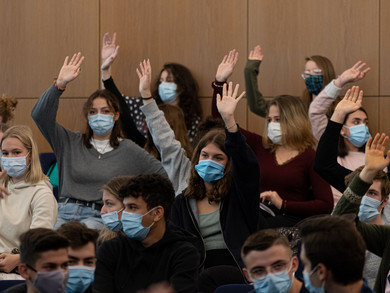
x=377, y=237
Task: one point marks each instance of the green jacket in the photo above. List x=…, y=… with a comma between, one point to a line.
x=377, y=237
x=256, y=102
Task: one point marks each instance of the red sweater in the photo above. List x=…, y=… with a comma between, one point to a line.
x=292, y=180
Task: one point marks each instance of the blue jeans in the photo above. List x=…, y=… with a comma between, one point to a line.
x=74, y=212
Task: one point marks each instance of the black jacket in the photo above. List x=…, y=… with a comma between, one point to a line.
x=239, y=210
x=125, y=265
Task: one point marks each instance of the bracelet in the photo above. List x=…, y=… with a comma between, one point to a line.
x=217, y=85
x=231, y=126
x=148, y=98
x=57, y=87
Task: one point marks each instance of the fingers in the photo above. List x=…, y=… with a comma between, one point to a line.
x=219, y=98
x=66, y=61
x=138, y=73
x=106, y=39
x=113, y=38
x=240, y=97
x=235, y=91
x=251, y=54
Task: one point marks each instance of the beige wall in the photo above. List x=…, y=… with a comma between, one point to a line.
x=37, y=35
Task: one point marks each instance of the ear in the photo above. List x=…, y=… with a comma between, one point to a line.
x=322, y=272
x=22, y=268
x=295, y=264
x=384, y=203
x=158, y=213
x=246, y=274
x=116, y=116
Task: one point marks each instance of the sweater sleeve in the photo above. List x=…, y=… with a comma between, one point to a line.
x=104, y=281
x=322, y=202
x=173, y=158
x=375, y=236
x=44, y=114
x=217, y=89
x=128, y=126
x=185, y=270
x=319, y=107
x=43, y=209
x=245, y=173
x=256, y=102
x=325, y=162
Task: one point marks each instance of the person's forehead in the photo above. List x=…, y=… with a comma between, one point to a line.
x=86, y=251
x=132, y=200
x=267, y=257
x=58, y=256
x=310, y=64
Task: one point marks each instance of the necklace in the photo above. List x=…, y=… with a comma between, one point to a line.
x=101, y=152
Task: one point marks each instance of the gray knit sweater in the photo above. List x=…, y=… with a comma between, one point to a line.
x=81, y=172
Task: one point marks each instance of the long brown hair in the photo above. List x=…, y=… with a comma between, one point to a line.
x=175, y=118
x=113, y=104
x=294, y=124
x=196, y=188
x=187, y=89
x=328, y=74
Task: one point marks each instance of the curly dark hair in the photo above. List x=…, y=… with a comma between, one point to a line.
x=154, y=189
x=187, y=89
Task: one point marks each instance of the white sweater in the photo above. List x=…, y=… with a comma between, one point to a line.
x=28, y=206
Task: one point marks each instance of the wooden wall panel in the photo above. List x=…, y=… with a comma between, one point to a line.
x=69, y=115
x=384, y=121
x=37, y=35
x=384, y=64
x=288, y=31
x=196, y=34
x=371, y=105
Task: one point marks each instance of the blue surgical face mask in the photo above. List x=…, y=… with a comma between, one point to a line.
x=167, y=92
x=111, y=221
x=309, y=286
x=368, y=209
x=273, y=283
x=359, y=134
x=101, y=124
x=80, y=278
x=132, y=225
x=51, y=282
x=275, y=132
x=314, y=84
x=210, y=170
x=15, y=166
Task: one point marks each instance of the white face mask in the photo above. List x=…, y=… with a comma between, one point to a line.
x=274, y=132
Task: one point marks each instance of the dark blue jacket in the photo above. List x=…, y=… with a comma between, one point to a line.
x=239, y=210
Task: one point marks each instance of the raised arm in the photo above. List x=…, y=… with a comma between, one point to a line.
x=325, y=162
x=224, y=71
x=44, y=112
x=255, y=99
x=319, y=107
x=109, y=53
x=376, y=236
x=173, y=158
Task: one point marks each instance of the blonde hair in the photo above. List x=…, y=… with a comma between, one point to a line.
x=112, y=187
x=24, y=135
x=328, y=74
x=294, y=124
x=7, y=107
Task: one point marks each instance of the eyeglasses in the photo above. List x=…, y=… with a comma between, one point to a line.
x=308, y=73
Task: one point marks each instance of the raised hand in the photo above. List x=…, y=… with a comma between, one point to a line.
x=70, y=70
x=353, y=74
x=272, y=196
x=109, y=51
x=226, y=67
x=145, y=75
x=351, y=102
x=375, y=151
x=256, y=54
x=227, y=105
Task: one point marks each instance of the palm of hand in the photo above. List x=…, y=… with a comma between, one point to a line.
x=224, y=71
x=107, y=51
x=68, y=72
x=348, y=106
x=227, y=105
x=375, y=159
x=144, y=83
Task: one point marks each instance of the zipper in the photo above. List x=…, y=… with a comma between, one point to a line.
x=197, y=229
x=227, y=247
